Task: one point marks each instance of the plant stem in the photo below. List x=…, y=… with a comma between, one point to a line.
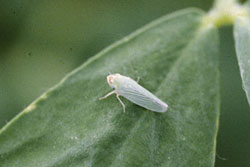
x=224, y=12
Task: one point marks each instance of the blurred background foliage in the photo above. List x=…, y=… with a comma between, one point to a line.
x=41, y=41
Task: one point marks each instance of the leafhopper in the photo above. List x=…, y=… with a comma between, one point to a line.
x=131, y=90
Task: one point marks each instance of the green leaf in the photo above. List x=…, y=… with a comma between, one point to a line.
x=242, y=42
x=68, y=126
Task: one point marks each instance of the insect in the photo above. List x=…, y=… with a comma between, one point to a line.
x=131, y=90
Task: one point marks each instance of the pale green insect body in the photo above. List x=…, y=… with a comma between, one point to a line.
x=131, y=90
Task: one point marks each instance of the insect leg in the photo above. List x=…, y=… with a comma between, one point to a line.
x=107, y=95
x=123, y=106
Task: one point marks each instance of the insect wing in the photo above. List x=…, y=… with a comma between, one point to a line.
x=132, y=91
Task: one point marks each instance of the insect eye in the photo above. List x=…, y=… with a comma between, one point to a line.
x=111, y=80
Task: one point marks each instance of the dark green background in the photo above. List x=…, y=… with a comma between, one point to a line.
x=41, y=41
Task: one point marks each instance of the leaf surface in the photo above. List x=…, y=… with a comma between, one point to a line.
x=242, y=45
x=68, y=126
